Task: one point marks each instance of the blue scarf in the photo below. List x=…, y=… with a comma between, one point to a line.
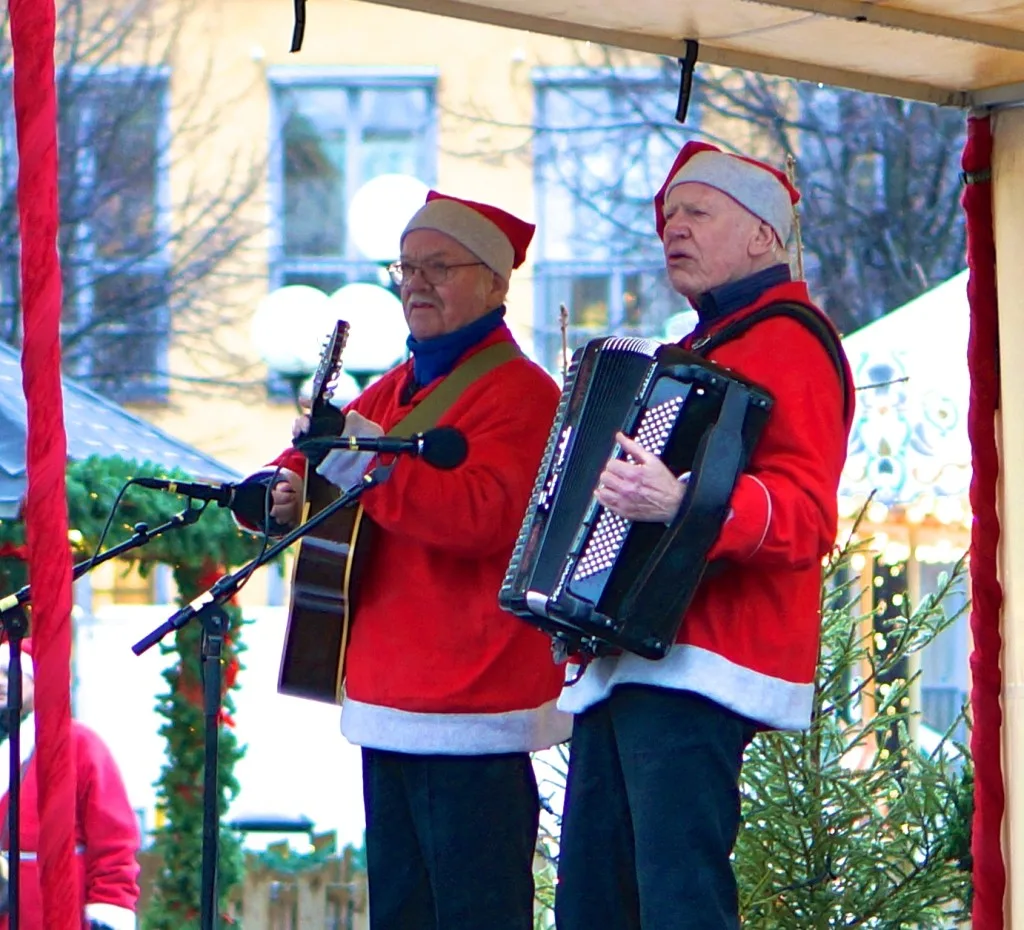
x=720, y=301
x=432, y=358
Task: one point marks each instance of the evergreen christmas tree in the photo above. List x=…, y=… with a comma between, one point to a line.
x=851, y=823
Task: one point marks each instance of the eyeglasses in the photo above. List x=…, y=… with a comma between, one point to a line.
x=434, y=273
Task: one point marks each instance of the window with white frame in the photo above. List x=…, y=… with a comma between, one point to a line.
x=113, y=237
x=604, y=140
x=334, y=130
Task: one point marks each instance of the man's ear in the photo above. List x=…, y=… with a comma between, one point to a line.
x=498, y=291
x=763, y=240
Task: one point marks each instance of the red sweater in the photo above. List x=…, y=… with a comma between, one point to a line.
x=434, y=665
x=106, y=834
x=749, y=639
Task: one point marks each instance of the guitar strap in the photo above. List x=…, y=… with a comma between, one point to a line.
x=425, y=414
x=422, y=417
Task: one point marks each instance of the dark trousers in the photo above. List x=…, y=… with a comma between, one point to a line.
x=450, y=841
x=651, y=814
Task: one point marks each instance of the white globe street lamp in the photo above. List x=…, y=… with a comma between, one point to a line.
x=380, y=210
x=378, y=332
x=288, y=329
x=290, y=324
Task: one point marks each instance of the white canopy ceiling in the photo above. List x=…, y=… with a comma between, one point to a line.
x=955, y=52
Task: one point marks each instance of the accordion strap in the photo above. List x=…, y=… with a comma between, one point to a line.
x=804, y=315
x=678, y=561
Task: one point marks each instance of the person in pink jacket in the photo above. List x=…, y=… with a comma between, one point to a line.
x=106, y=830
x=652, y=806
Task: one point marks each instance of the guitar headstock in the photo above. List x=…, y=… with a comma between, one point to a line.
x=329, y=366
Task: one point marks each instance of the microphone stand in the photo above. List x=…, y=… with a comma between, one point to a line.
x=14, y=622
x=208, y=607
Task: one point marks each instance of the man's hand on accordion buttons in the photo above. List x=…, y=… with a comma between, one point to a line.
x=640, y=487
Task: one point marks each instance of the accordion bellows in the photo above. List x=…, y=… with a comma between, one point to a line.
x=593, y=580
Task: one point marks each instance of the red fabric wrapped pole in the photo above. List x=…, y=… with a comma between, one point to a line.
x=986, y=592
x=33, y=24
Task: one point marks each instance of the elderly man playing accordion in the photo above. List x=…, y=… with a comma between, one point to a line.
x=652, y=807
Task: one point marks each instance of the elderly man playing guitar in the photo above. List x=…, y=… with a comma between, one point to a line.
x=445, y=693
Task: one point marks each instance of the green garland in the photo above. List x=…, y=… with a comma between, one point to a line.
x=281, y=858
x=93, y=486
x=176, y=896
x=198, y=554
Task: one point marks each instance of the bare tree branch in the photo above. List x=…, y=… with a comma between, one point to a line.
x=879, y=216
x=145, y=262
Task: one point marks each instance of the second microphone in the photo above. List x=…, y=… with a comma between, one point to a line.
x=443, y=447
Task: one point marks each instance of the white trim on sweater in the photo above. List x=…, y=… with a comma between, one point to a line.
x=377, y=727
x=117, y=918
x=784, y=705
x=30, y=855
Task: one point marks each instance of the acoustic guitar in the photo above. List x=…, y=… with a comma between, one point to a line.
x=320, y=610
x=324, y=582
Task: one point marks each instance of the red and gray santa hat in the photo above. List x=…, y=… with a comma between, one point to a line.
x=497, y=238
x=754, y=185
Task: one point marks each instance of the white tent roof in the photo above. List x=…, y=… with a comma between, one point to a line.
x=909, y=443
x=95, y=426
x=954, y=52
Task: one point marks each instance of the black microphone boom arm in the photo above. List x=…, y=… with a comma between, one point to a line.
x=227, y=585
x=222, y=494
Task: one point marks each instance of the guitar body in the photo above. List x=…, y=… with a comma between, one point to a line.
x=320, y=610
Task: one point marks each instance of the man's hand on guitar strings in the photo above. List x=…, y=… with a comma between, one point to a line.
x=328, y=423
x=286, y=499
x=639, y=487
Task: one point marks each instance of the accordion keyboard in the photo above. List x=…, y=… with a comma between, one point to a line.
x=610, y=531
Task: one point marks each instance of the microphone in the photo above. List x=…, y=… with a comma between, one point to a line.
x=443, y=447
x=223, y=494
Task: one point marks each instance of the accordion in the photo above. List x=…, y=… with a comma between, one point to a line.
x=593, y=580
